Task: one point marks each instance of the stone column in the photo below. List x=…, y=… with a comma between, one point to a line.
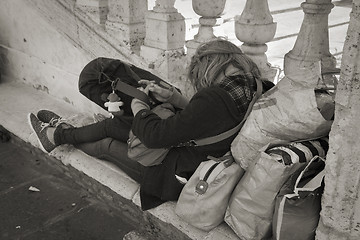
x=312, y=43
x=209, y=10
x=165, y=27
x=164, y=41
x=340, y=215
x=97, y=10
x=255, y=27
x=126, y=21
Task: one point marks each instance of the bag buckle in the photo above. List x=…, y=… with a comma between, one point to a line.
x=192, y=143
x=201, y=187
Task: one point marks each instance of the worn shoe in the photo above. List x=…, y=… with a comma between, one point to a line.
x=47, y=116
x=40, y=129
x=52, y=119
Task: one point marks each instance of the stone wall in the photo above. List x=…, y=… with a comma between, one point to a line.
x=340, y=216
x=34, y=53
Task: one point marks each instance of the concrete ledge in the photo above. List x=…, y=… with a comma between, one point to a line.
x=18, y=99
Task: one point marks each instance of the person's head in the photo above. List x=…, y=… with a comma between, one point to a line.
x=213, y=57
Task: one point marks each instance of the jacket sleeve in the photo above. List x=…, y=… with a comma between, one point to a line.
x=202, y=117
x=178, y=100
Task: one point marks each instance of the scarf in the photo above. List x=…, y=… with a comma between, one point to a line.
x=241, y=88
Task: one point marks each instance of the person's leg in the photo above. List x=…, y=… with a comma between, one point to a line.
x=116, y=152
x=117, y=128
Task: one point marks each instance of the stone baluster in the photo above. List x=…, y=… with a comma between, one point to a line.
x=165, y=27
x=255, y=27
x=126, y=21
x=97, y=10
x=312, y=44
x=164, y=42
x=209, y=10
x=340, y=214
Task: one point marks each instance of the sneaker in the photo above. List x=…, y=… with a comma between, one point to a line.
x=40, y=128
x=51, y=118
x=47, y=116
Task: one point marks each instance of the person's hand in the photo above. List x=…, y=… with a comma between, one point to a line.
x=161, y=94
x=144, y=90
x=137, y=105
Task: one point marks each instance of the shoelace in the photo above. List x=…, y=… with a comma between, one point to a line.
x=54, y=122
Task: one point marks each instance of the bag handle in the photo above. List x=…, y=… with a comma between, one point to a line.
x=224, y=162
x=229, y=133
x=210, y=170
x=314, y=183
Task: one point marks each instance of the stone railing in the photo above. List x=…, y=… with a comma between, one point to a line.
x=158, y=34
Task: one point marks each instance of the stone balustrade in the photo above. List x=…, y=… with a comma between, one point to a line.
x=126, y=21
x=312, y=44
x=164, y=42
x=209, y=10
x=255, y=27
x=96, y=9
x=158, y=34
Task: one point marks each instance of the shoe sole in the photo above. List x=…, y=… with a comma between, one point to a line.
x=32, y=128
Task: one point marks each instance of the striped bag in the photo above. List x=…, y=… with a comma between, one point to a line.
x=252, y=203
x=299, y=151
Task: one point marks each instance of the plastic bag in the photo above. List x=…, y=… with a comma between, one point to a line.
x=286, y=113
x=252, y=203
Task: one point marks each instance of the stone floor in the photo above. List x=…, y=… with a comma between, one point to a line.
x=56, y=208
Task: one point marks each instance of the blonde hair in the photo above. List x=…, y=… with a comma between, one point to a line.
x=213, y=57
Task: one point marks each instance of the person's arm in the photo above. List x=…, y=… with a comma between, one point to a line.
x=177, y=100
x=138, y=105
x=162, y=94
x=207, y=114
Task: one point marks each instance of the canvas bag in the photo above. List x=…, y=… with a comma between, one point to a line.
x=204, y=198
x=252, y=203
x=288, y=112
x=137, y=151
x=298, y=204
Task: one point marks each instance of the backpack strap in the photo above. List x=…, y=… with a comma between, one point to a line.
x=132, y=91
x=232, y=131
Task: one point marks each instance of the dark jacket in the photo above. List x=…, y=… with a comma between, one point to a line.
x=210, y=112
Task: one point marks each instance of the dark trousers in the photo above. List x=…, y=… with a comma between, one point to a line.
x=115, y=152
x=107, y=139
